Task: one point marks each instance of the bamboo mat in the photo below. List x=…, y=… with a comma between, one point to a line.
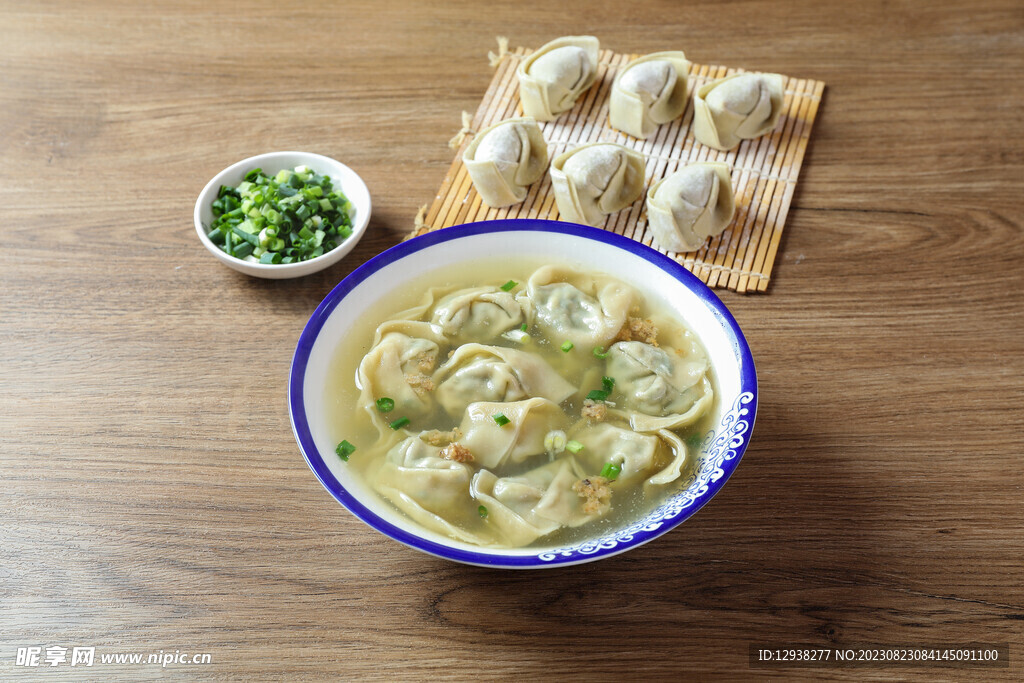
x=764, y=170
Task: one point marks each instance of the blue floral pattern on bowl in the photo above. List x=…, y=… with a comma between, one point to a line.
x=718, y=446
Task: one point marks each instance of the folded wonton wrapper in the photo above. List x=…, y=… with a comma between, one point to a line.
x=505, y=159
x=596, y=179
x=657, y=457
x=692, y=204
x=497, y=374
x=742, y=106
x=587, y=310
x=431, y=490
x=536, y=503
x=493, y=444
x=649, y=91
x=478, y=313
x=402, y=351
x=556, y=74
x=661, y=387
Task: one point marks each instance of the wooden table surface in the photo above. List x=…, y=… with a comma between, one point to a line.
x=153, y=497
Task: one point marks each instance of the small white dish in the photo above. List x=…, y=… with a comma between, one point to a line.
x=343, y=178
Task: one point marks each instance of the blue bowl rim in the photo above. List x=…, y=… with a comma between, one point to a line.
x=304, y=437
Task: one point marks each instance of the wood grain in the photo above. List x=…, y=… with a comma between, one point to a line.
x=153, y=497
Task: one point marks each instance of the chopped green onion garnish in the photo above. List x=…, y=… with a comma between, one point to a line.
x=523, y=327
x=574, y=446
x=287, y=215
x=399, y=423
x=344, y=450
x=608, y=383
x=554, y=442
x=501, y=419
x=567, y=346
x=517, y=336
x=694, y=440
x=509, y=286
x=599, y=352
x=482, y=511
x=270, y=257
x=611, y=471
x=385, y=404
x=242, y=250
x=598, y=395
x=240, y=231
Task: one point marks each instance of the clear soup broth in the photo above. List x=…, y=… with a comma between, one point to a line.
x=521, y=404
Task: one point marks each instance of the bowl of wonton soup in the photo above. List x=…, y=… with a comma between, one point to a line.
x=554, y=504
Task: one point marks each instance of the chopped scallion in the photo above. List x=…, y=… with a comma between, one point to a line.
x=611, y=471
x=554, y=442
x=288, y=214
x=608, y=383
x=501, y=419
x=567, y=346
x=271, y=257
x=517, y=336
x=344, y=450
x=399, y=423
x=385, y=404
x=242, y=250
x=509, y=286
x=574, y=446
x=482, y=511
x=245, y=235
x=599, y=352
x=694, y=440
x=523, y=327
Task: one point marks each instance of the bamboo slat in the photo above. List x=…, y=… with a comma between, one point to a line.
x=764, y=170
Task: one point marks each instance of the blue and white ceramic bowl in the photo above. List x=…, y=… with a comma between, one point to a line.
x=656, y=276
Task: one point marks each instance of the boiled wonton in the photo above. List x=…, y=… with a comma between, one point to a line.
x=398, y=366
x=656, y=458
x=662, y=388
x=587, y=310
x=529, y=422
x=535, y=503
x=479, y=313
x=430, y=489
x=477, y=372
